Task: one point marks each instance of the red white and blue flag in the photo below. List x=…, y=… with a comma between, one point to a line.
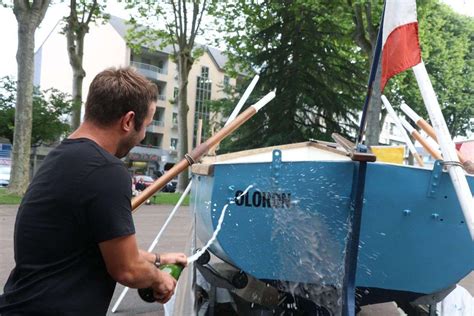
x=400, y=44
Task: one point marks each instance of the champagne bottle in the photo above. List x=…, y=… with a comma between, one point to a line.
x=172, y=269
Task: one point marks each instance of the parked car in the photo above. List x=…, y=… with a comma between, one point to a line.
x=170, y=186
x=146, y=179
x=4, y=175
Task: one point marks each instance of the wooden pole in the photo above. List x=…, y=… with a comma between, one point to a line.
x=425, y=126
x=433, y=152
x=199, y=151
x=199, y=132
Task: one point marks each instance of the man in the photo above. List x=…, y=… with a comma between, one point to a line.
x=74, y=232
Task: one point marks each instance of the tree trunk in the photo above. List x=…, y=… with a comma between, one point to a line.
x=77, y=79
x=184, y=67
x=29, y=16
x=75, y=47
x=374, y=125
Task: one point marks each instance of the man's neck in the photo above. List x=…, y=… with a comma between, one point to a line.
x=105, y=138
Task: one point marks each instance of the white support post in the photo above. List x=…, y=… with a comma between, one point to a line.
x=456, y=172
x=408, y=141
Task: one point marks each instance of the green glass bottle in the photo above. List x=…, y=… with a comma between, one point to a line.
x=172, y=269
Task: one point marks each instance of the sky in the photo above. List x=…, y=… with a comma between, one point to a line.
x=8, y=27
x=8, y=33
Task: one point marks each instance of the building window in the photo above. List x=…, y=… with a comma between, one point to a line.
x=174, y=143
x=203, y=94
x=175, y=119
x=175, y=93
x=226, y=81
x=205, y=71
x=152, y=140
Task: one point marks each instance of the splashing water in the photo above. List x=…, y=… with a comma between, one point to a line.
x=218, y=228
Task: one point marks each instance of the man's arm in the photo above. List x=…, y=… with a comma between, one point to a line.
x=130, y=267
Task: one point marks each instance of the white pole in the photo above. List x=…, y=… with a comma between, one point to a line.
x=410, y=113
x=395, y=118
x=242, y=101
x=456, y=172
x=155, y=241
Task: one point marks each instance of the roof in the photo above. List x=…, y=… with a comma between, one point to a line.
x=120, y=25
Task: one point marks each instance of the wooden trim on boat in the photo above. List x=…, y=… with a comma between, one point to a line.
x=203, y=169
x=316, y=144
x=206, y=166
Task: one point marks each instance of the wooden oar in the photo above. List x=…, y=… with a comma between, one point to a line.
x=199, y=151
x=424, y=125
x=413, y=132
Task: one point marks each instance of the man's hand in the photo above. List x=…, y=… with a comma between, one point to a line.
x=174, y=258
x=163, y=289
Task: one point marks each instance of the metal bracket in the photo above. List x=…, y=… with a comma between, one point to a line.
x=435, y=178
x=276, y=165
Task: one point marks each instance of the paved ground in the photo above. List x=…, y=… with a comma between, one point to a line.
x=148, y=221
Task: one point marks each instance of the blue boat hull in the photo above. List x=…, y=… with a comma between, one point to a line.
x=292, y=225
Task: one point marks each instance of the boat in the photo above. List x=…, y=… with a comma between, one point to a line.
x=291, y=229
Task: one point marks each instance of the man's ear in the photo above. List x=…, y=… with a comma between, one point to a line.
x=127, y=123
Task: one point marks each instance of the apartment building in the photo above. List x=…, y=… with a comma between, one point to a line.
x=105, y=46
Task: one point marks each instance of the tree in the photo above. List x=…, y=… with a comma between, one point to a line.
x=50, y=109
x=29, y=15
x=81, y=14
x=447, y=49
x=366, y=19
x=180, y=32
x=304, y=51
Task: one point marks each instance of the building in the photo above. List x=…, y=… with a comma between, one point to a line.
x=105, y=46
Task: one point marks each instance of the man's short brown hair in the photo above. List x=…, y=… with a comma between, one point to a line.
x=114, y=92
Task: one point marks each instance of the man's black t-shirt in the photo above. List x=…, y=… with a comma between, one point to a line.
x=79, y=197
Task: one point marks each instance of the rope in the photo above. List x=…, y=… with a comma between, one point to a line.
x=453, y=163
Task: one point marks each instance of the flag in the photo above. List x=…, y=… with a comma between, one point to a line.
x=400, y=44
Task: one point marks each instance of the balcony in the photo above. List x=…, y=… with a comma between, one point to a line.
x=156, y=126
x=149, y=71
x=147, y=153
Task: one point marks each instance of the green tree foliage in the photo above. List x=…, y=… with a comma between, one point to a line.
x=50, y=109
x=316, y=56
x=447, y=46
x=176, y=23
x=304, y=50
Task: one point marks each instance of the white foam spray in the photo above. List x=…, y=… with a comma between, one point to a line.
x=218, y=228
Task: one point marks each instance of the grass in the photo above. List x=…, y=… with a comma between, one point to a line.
x=161, y=198
x=169, y=199
x=6, y=198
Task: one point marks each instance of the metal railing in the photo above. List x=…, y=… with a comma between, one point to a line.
x=157, y=123
x=148, y=69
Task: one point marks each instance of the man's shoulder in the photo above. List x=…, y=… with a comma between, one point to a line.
x=86, y=147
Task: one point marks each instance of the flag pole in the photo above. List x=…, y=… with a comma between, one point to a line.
x=455, y=169
x=408, y=141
